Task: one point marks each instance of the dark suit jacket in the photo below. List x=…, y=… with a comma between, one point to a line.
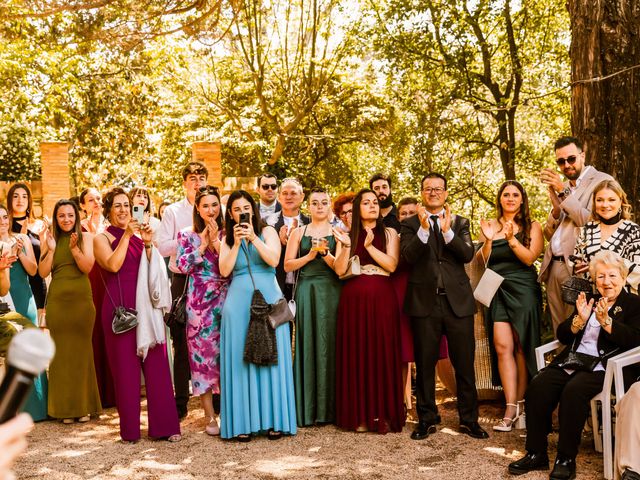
x=281, y=275
x=424, y=262
x=625, y=333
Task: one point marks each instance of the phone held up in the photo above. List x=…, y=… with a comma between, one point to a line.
x=138, y=213
x=245, y=218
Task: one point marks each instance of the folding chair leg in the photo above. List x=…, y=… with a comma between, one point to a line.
x=597, y=438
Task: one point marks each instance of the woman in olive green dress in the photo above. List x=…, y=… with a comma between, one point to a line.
x=512, y=242
x=67, y=254
x=310, y=255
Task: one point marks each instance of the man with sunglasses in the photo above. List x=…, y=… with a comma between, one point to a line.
x=571, y=208
x=268, y=192
x=177, y=216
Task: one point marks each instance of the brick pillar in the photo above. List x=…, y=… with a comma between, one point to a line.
x=209, y=154
x=56, y=178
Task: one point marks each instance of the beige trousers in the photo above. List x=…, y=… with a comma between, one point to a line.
x=628, y=432
x=560, y=311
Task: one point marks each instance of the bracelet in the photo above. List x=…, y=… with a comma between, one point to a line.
x=576, y=322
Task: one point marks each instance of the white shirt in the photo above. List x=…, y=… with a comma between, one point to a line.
x=556, y=242
x=288, y=221
x=177, y=216
x=266, y=210
x=423, y=234
x=589, y=342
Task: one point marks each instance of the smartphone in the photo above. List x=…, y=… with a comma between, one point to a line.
x=138, y=213
x=245, y=218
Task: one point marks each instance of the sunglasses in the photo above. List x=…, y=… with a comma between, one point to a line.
x=268, y=186
x=571, y=159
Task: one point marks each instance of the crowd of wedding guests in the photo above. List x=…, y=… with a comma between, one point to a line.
x=374, y=286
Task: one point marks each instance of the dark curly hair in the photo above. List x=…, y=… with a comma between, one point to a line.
x=107, y=200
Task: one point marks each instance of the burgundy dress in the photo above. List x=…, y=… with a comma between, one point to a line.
x=399, y=279
x=368, y=367
x=126, y=364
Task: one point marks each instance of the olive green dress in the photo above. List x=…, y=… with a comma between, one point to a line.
x=518, y=301
x=314, y=368
x=73, y=389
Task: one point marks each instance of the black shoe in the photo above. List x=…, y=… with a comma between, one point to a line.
x=273, y=435
x=438, y=419
x=564, y=468
x=473, y=429
x=423, y=430
x=531, y=461
x=630, y=475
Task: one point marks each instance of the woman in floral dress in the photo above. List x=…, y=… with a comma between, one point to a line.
x=206, y=290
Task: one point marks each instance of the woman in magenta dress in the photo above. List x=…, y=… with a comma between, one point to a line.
x=119, y=251
x=91, y=205
x=198, y=255
x=368, y=366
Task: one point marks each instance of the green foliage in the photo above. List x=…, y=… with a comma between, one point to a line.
x=18, y=153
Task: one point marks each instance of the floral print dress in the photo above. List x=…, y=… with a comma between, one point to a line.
x=206, y=292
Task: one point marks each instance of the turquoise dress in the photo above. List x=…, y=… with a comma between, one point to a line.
x=25, y=304
x=253, y=398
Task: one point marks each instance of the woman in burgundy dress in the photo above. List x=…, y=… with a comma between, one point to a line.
x=368, y=366
x=119, y=251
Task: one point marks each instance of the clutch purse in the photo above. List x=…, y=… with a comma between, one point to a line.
x=487, y=287
x=581, y=362
x=353, y=268
x=280, y=313
x=572, y=287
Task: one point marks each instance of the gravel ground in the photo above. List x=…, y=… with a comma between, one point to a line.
x=93, y=451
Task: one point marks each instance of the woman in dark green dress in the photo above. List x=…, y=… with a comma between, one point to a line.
x=512, y=242
x=67, y=254
x=310, y=255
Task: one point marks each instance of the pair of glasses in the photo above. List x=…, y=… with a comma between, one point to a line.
x=571, y=159
x=347, y=212
x=430, y=190
x=268, y=186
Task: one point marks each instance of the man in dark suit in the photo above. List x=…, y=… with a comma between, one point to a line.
x=439, y=300
x=285, y=221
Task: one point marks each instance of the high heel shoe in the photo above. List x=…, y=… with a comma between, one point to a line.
x=521, y=421
x=507, y=423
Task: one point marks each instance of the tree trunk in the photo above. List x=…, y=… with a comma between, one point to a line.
x=606, y=113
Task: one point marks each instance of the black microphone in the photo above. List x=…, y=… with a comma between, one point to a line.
x=29, y=353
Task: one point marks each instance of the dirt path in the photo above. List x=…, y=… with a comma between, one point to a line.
x=93, y=451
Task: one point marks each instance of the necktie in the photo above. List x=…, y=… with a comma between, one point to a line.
x=437, y=234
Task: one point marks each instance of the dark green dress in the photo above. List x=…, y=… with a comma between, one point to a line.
x=73, y=388
x=518, y=301
x=314, y=368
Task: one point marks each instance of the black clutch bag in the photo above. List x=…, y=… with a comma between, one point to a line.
x=573, y=286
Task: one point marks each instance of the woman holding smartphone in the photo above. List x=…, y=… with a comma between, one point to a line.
x=254, y=398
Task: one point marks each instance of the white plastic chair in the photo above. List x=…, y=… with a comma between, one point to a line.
x=615, y=364
x=602, y=443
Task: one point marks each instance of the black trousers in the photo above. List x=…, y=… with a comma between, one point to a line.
x=574, y=393
x=426, y=340
x=181, y=369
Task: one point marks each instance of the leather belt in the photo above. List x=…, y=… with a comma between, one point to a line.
x=557, y=258
x=440, y=291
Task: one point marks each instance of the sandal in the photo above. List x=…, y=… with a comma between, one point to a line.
x=507, y=423
x=174, y=438
x=273, y=435
x=84, y=419
x=68, y=421
x=243, y=437
x=212, y=428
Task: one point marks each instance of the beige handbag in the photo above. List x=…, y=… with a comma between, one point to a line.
x=488, y=285
x=353, y=268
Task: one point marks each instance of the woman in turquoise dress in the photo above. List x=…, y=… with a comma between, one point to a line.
x=311, y=252
x=512, y=242
x=24, y=303
x=198, y=252
x=254, y=399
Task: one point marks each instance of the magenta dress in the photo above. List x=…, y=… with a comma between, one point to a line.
x=368, y=366
x=206, y=292
x=125, y=364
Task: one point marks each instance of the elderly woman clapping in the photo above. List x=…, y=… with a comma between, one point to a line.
x=600, y=328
